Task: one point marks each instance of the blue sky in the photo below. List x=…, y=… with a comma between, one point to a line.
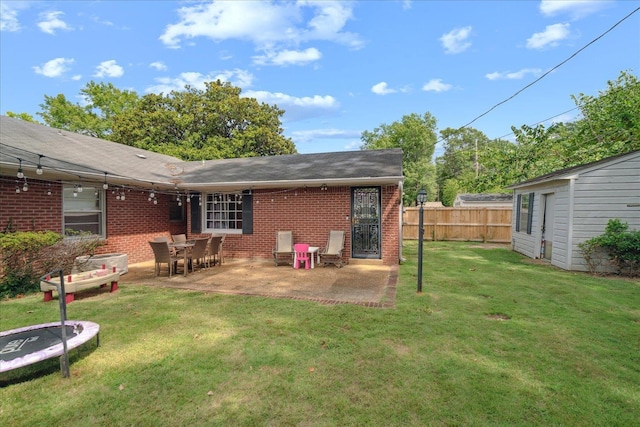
x=336, y=68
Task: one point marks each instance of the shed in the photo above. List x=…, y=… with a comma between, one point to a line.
x=488, y=200
x=554, y=213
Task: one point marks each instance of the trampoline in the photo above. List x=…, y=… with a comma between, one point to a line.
x=32, y=344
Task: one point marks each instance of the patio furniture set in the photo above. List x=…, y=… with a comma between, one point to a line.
x=203, y=252
x=297, y=254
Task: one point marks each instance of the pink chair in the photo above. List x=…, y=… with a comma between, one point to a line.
x=302, y=254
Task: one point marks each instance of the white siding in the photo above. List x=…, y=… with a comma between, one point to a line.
x=583, y=206
x=603, y=194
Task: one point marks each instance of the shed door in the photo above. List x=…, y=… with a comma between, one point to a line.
x=546, y=247
x=365, y=222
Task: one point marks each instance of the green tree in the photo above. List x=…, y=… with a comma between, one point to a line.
x=198, y=124
x=416, y=136
x=610, y=125
x=22, y=116
x=103, y=103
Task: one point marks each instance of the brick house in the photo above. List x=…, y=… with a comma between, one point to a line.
x=62, y=181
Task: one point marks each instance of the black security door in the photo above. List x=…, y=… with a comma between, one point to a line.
x=365, y=222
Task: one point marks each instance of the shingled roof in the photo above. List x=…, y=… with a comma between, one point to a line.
x=66, y=154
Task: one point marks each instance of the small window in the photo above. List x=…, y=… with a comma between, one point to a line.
x=223, y=212
x=524, y=215
x=83, y=210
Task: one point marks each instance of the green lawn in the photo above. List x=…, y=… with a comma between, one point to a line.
x=493, y=340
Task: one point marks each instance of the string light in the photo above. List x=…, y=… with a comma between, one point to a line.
x=105, y=185
x=20, y=175
x=39, y=168
x=25, y=186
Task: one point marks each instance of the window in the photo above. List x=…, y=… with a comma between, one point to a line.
x=176, y=211
x=223, y=212
x=524, y=214
x=83, y=210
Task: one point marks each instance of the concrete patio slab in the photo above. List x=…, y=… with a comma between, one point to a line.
x=364, y=283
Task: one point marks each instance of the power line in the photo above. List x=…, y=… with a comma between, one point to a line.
x=549, y=71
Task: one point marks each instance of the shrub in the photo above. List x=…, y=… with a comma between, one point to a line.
x=620, y=245
x=28, y=255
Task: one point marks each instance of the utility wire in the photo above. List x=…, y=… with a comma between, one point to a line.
x=550, y=71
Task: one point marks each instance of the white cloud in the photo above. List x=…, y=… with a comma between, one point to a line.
x=109, y=69
x=158, y=65
x=549, y=37
x=288, y=57
x=76, y=77
x=50, y=22
x=297, y=108
x=382, y=89
x=54, y=68
x=576, y=9
x=310, y=135
x=9, y=16
x=513, y=75
x=237, y=77
x=266, y=24
x=456, y=41
x=436, y=85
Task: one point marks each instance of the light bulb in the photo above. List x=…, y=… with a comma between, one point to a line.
x=39, y=169
x=105, y=185
x=20, y=174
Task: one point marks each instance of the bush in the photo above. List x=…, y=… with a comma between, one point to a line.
x=621, y=246
x=28, y=255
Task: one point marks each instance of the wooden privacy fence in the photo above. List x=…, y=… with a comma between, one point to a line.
x=465, y=224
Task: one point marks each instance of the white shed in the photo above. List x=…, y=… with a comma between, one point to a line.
x=554, y=213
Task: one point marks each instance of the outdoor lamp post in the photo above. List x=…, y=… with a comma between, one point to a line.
x=422, y=198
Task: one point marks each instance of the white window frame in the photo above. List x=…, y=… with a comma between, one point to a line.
x=222, y=213
x=94, y=205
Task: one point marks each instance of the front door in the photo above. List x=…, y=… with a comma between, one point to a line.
x=365, y=222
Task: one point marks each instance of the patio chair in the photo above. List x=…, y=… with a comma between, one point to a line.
x=163, y=255
x=214, y=252
x=284, y=247
x=199, y=253
x=179, y=238
x=301, y=255
x=166, y=240
x=332, y=253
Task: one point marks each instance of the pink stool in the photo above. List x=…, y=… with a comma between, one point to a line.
x=302, y=254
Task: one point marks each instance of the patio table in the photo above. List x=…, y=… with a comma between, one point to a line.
x=185, y=247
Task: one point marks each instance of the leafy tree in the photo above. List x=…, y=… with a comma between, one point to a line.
x=203, y=124
x=103, y=102
x=22, y=116
x=610, y=125
x=416, y=136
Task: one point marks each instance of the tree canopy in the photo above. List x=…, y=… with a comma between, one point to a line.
x=192, y=124
x=416, y=136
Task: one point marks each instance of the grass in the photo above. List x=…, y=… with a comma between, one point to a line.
x=494, y=339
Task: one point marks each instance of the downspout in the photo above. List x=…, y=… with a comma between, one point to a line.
x=400, y=221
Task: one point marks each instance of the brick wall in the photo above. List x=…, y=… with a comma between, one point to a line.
x=309, y=213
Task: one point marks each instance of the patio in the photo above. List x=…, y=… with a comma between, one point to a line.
x=360, y=282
